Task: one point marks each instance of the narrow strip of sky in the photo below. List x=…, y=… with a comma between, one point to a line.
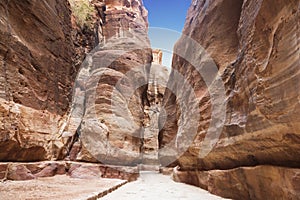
x=166, y=14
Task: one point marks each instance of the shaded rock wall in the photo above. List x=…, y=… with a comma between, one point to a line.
x=255, y=45
x=86, y=19
x=36, y=77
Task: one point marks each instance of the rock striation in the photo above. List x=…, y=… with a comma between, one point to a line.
x=107, y=114
x=43, y=46
x=253, y=139
x=36, y=77
x=157, y=84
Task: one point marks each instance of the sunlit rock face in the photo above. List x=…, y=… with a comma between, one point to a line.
x=255, y=46
x=36, y=77
x=124, y=15
x=110, y=91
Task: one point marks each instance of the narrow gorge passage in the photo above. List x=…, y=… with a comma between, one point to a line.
x=152, y=185
x=94, y=94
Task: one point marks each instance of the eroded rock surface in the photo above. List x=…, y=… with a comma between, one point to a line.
x=36, y=77
x=157, y=84
x=246, y=182
x=255, y=47
x=110, y=92
x=43, y=45
x=34, y=170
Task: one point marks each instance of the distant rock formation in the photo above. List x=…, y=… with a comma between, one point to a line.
x=157, y=84
x=157, y=56
x=255, y=46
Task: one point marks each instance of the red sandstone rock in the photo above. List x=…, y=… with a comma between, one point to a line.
x=258, y=58
x=85, y=172
x=36, y=77
x=37, y=63
x=246, y=182
x=19, y=172
x=110, y=88
x=255, y=46
x=26, y=171
x=158, y=78
x=3, y=171
x=75, y=150
x=52, y=169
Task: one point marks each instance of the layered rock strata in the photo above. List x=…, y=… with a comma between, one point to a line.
x=157, y=84
x=252, y=118
x=107, y=113
x=36, y=78
x=38, y=62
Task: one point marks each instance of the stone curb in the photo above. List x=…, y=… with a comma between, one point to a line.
x=104, y=193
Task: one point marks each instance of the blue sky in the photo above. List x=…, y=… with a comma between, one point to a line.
x=166, y=21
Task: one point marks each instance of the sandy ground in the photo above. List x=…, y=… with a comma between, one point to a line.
x=56, y=188
x=154, y=186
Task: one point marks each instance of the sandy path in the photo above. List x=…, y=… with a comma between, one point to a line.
x=56, y=188
x=154, y=186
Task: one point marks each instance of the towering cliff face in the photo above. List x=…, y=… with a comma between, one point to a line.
x=43, y=45
x=110, y=92
x=36, y=77
x=255, y=46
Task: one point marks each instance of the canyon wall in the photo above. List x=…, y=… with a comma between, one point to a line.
x=52, y=106
x=247, y=129
x=36, y=77
x=106, y=122
x=157, y=84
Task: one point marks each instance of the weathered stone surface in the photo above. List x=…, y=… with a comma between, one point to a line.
x=3, y=170
x=87, y=21
x=36, y=77
x=36, y=54
x=122, y=16
x=260, y=70
x=28, y=134
x=26, y=171
x=246, y=182
x=255, y=46
x=48, y=169
x=110, y=91
x=38, y=65
x=158, y=78
x=19, y=172
x=84, y=172
x=33, y=170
